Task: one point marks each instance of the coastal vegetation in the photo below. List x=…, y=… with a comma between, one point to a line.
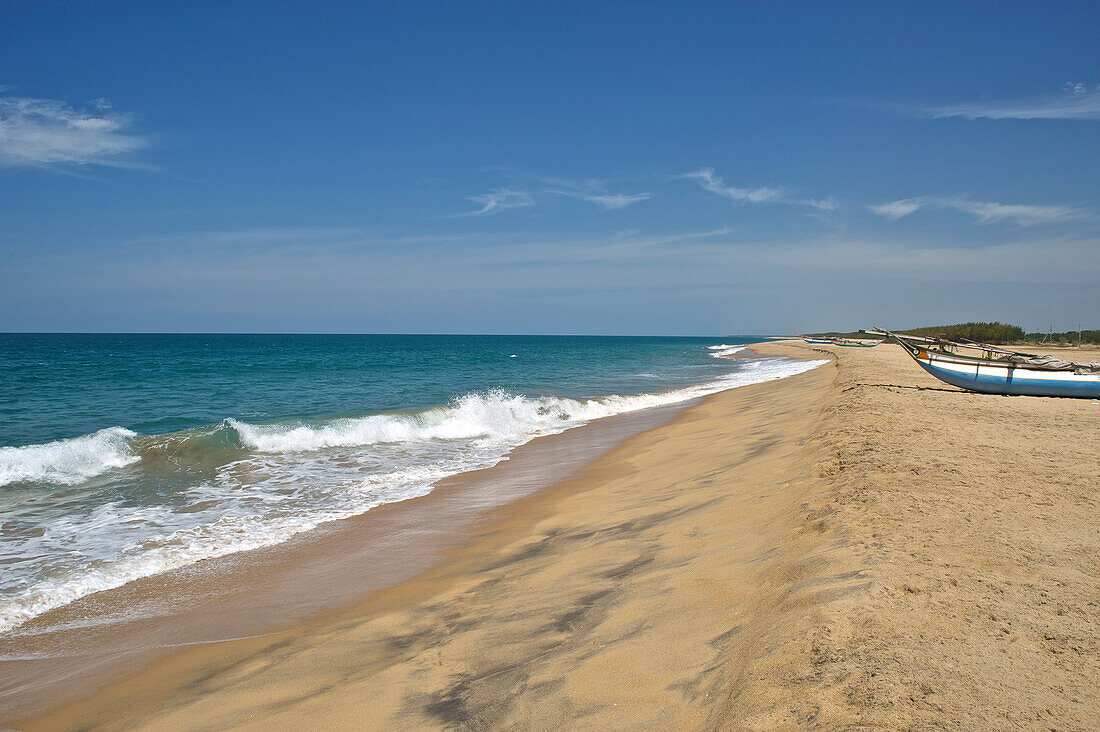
x=987, y=332
x=1067, y=338
x=982, y=332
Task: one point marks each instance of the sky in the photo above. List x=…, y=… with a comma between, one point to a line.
x=681, y=168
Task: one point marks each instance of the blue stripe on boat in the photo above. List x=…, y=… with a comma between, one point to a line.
x=1014, y=386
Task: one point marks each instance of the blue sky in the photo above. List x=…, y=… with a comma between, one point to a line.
x=679, y=168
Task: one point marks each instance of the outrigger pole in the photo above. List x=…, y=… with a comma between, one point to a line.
x=943, y=341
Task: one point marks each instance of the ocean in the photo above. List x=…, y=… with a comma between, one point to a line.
x=122, y=456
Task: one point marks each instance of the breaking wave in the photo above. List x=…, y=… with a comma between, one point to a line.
x=723, y=350
x=67, y=462
x=242, y=485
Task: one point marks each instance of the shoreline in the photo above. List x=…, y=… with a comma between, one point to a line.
x=265, y=590
x=70, y=652
x=484, y=556
x=859, y=545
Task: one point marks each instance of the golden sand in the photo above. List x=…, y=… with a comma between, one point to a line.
x=857, y=545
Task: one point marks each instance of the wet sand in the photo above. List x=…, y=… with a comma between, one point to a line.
x=72, y=651
x=857, y=546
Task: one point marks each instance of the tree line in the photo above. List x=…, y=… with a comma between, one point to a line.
x=1003, y=333
x=993, y=333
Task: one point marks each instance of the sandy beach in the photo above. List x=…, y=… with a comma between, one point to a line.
x=436, y=365
x=855, y=546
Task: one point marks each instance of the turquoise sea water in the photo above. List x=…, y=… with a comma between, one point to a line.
x=127, y=455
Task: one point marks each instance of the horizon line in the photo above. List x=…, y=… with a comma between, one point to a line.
x=348, y=333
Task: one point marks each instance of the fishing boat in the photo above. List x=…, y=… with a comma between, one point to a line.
x=997, y=371
x=848, y=342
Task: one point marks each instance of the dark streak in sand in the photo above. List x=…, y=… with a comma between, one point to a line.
x=263, y=590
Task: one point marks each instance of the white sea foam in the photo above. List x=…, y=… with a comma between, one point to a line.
x=294, y=477
x=67, y=462
x=723, y=350
x=494, y=415
x=116, y=531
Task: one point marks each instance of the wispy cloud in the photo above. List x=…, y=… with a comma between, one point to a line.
x=528, y=187
x=1024, y=215
x=985, y=212
x=707, y=257
x=498, y=200
x=897, y=209
x=709, y=180
x=1071, y=261
x=612, y=201
x=824, y=204
x=1075, y=101
x=593, y=190
x=47, y=132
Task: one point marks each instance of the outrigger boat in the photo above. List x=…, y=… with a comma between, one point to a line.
x=841, y=342
x=998, y=371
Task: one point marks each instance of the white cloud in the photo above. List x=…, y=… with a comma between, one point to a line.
x=897, y=209
x=44, y=132
x=592, y=190
x=711, y=181
x=825, y=204
x=709, y=257
x=499, y=199
x=611, y=201
x=1024, y=215
x=1076, y=101
x=986, y=212
x=1022, y=261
